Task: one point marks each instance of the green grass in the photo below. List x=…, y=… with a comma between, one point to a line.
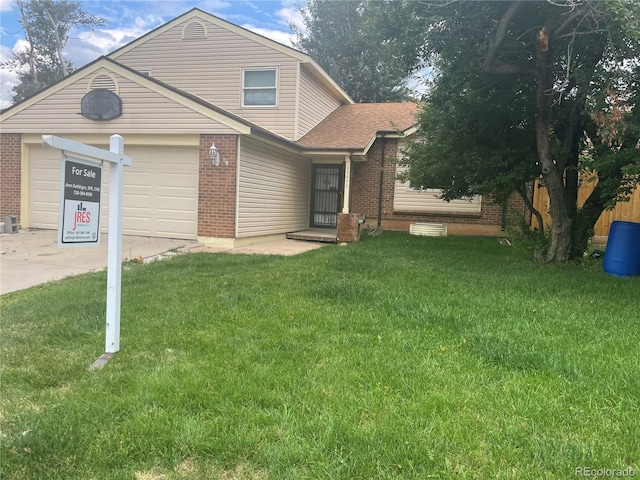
x=398, y=357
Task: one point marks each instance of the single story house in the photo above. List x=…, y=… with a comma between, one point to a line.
x=294, y=151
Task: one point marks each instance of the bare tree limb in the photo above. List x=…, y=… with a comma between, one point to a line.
x=32, y=53
x=63, y=64
x=527, y=201
x=489, y=61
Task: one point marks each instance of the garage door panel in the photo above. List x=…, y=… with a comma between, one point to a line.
x=174, y=194
x=47, y=197
x=139, y=180
x=175, y=216
x=174, y=181
x=137, y=224
x=46, y=180
x=139, y=202
x=165, y=226
x=159, y=194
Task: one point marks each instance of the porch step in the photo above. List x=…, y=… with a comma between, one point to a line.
x=315, y=235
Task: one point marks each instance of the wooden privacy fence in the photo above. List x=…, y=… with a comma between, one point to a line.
x=627, y=211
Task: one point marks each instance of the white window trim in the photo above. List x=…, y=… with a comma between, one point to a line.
x=243, y=89
x=431, y=202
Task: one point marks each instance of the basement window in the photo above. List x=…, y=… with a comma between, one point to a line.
x=259, y=87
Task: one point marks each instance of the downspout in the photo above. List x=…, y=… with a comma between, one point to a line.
x=382, y=147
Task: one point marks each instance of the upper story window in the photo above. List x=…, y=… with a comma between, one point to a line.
x=259, y=87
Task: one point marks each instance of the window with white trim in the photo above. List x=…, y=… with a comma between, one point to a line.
x=259, y=87
x=408, y=198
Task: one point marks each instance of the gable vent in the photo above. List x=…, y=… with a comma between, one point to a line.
x=103, y=82
x=194, y=31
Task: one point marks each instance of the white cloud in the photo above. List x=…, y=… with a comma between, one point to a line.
x=213, y=5
x=291, y=15
x=5, y=53
x=6, y=5
x=82, y=48
x=7, y=79
x=88, y=46
x=277, y=35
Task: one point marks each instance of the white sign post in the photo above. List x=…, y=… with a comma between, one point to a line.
x=117, y=160
x=114, y=266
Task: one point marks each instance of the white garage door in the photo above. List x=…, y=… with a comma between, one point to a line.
x=160, y=191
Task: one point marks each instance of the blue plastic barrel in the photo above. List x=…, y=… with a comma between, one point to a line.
x=622, y=255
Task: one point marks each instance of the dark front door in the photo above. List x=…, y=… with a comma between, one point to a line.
x=326, y=195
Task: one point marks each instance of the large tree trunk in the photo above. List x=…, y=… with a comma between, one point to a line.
x=560, y=245
x=586, y=218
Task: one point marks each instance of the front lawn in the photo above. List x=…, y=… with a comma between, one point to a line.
x=396, y=357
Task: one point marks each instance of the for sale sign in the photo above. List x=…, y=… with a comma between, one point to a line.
x=80, y=194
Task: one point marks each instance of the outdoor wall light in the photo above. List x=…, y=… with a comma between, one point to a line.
x=214, y=155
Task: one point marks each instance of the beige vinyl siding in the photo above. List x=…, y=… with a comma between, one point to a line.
x=160, y=191
x=408, y=199
x=273, y=192
x=144, y=111
x=315, y=103
x=211, y=68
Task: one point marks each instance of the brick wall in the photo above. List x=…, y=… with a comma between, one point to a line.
x=10, y=174
x=365, y=198
x=217, y=188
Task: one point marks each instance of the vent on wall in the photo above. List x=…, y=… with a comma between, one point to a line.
x=103, y=82
x=194, y=31
x=428, y=229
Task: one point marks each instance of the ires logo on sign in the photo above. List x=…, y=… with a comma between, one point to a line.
x=81, y=217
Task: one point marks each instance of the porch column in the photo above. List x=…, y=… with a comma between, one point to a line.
x=347, y=184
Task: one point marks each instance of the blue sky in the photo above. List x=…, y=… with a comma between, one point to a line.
x=129, y=19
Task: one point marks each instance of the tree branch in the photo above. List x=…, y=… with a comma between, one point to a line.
x=59, y=45
x=489, y=61
x=32, y=53
x=531, y=208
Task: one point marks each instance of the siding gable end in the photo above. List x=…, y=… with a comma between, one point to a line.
x=147, y=107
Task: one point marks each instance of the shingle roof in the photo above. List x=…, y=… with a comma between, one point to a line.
x=354, y=126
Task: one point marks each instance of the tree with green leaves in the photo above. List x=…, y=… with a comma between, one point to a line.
x=47, y=25
x=528, y=89
x=475, y=141
x=341, y=37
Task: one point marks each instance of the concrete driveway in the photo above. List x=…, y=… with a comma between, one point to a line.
x=32, y=257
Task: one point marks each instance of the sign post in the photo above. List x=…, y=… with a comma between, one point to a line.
x=87, y=174
x=114, y=266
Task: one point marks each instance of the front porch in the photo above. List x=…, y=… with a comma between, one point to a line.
x=326, y=235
